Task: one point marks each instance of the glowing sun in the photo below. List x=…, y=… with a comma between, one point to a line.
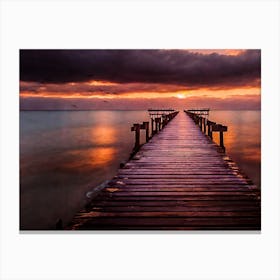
x=180, y=96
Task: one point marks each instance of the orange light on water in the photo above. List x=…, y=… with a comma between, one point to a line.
x=101, y=155
x=244, y=130
x=86, y=160
x=103, y=135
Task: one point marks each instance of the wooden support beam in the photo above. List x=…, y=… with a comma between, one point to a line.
x=219, y=127
x=158, y=121
x=210, y=130
x=145, y=125
x=136, y=128
x=204, y=125
x=152, y=124
x=222, y=139
x=200, y=123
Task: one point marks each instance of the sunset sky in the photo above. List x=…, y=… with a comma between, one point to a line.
x=139, y=79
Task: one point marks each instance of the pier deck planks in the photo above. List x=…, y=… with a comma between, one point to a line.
x=179, y=180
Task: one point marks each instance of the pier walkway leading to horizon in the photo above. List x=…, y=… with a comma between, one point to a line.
x=179, y=180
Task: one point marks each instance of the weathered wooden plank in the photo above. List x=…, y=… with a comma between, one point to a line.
x=170, y=229
x=179, y=172
x=154, y=208
x=178, y=176
x=168, y=214
x=172, y=221
x=171, y=203
x=181, y=193
x=176, y=189
x=110, y=196
x=186, y=182
x=194, y=186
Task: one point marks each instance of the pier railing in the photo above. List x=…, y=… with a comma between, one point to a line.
x=159, y=119
x=207, y=126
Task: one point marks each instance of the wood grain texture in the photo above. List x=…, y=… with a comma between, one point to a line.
x=179, y=180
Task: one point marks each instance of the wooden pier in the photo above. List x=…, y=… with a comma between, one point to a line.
x=179, y=180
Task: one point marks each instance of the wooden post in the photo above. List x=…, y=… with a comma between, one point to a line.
x=146, y=126
x=136, y=128
x=157, y=120
x=208, y=129
x=222, y=139
x=163, y=121
x=200, y=123
x=156, y=126
x=203, y=125
x=152, y=123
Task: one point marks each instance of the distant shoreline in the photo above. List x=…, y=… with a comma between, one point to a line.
x=70, y=110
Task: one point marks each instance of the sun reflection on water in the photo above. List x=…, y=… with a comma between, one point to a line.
x=89, y=159
x=103, y=135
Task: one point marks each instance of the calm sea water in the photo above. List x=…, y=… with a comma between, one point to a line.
x=65, y=154
x=242, y=140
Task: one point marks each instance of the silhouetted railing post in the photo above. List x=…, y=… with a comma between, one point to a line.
x=200, y=123
x=204, y=125
x=211, y=126
x=145, y=126
x=152, y=124
x=157, y=120
x=136, y=128
x=208, y=129
x=163, y=121
x=222, y=139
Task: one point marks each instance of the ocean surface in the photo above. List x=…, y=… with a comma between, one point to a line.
x=65, y=154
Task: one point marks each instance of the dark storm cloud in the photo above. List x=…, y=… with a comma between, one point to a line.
x=178, y=67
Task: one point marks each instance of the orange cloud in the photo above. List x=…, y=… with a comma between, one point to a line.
x=233, y=52
x=104, y=89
